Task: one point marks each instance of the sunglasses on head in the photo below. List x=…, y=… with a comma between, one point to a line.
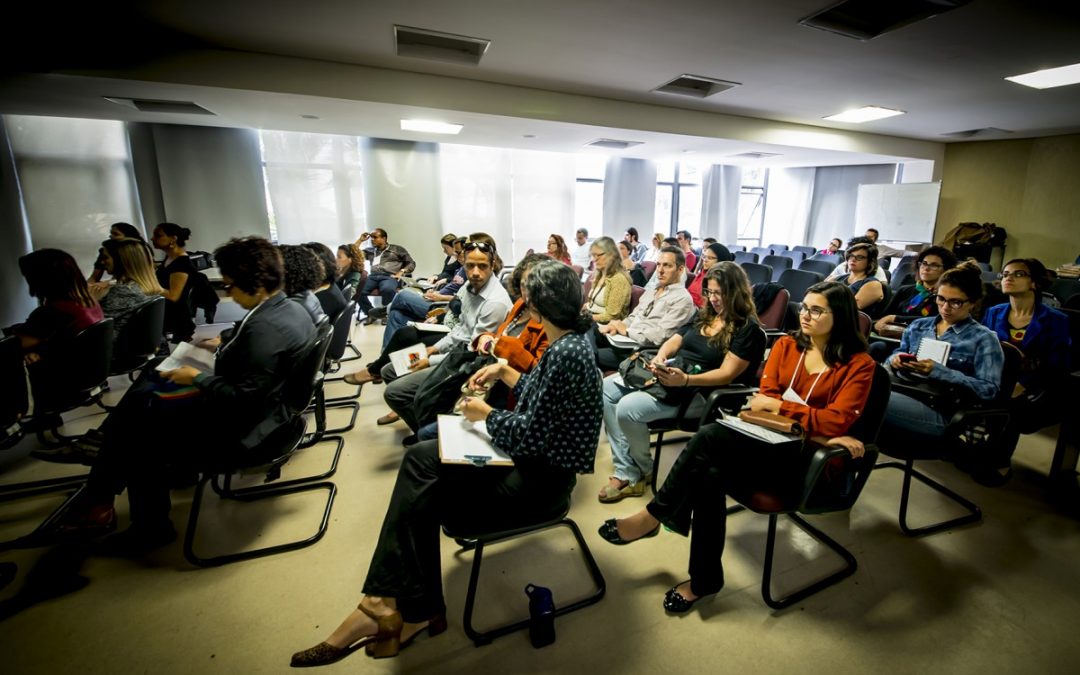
x=479, y=245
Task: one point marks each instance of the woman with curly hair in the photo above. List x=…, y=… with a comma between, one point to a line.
x=556, y=249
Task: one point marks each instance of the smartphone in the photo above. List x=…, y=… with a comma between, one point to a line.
x=906, y=358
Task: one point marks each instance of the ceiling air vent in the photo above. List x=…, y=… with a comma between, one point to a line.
x=419, y=43
x=160, y=106
x=612, y=144
x=867, y=19
x=696, y=86
x=975, y=133
x=756, y=155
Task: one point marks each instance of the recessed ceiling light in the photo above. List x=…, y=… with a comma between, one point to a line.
x=866, y=113
x=1051, y=77
x=431, y=127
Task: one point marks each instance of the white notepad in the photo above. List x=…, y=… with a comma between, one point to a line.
x=403, y=358
x=935, y=350
x=623, y=341
x=465, y=442
x=430, y=327
x=187, y=354
x=758, y=432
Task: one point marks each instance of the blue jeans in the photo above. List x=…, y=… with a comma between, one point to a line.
x=387, y=286
x=906, y=420
x=627, y=413
x=407, y=306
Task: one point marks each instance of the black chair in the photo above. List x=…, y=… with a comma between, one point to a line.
x=901, y=280
x=1063, y=289
x=268, y=458
x=833, y=482
x=342, y=323
x=822, y=267
x=796, y=282
x=757, y=274
x=807, y=251
x=478, y=540
x=138, y=341
x=778, y=263
x=745, y=257
x=74, y=374
x=885, y=263
x=972, y=426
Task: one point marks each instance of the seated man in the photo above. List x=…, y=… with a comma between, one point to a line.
x=659, y=313
x=411, y=306
x=388, y=264
x=484, y=305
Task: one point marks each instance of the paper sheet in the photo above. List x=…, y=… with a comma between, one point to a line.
x=465, y=442
x=209, y=330
x=187, y=354
x=430, y=327
x=403, y=358
x=622, y=341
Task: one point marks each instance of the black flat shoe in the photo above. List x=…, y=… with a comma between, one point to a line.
x=675, y=603
x=610, y=532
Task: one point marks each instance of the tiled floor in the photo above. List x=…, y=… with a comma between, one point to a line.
x=998, y=597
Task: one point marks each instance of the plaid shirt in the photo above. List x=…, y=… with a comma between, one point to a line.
x=975, y=358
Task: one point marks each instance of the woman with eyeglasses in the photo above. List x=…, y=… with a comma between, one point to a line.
x=551, y=435
x=974, y=363
x=609, y=294
x=862, y=267
x=914, y=301
x=821, y=377
x=711, y=255
x=1042, y=334
x=724, y=343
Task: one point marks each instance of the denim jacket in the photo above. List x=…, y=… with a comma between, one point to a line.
x=975, y=361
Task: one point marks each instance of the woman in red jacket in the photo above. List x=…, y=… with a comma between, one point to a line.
x=820, y=377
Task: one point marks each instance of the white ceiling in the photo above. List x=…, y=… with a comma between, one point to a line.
x=946, y=72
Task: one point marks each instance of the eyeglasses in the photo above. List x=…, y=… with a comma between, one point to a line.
x=930, y=265
x=712, y=294
x=480, y=245
x=857, y=257
x=814, y=312
x=955, y=303
x=1018, y=274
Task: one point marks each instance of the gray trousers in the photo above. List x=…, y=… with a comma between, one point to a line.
x=402, y=390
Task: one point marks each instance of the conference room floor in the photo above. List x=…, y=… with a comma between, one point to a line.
x=997, y=597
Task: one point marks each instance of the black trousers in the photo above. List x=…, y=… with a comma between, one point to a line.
x=716, y=461
x=405, y=336
x=406, y=564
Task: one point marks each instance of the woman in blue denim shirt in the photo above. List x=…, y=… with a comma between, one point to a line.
x=975, y=357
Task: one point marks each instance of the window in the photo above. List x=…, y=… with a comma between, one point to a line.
x=678, y=197
x=589, y=193
x=752, y=206
x=314, y=187
x=76, y=179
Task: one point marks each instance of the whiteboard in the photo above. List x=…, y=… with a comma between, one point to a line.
x=899, y=211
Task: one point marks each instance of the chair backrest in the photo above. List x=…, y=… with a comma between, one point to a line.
x=868, y=425
x=864, y=324
x=307, y=372
x=341, y=324
x=74, y=369
x=988, y=277
x=900, y=280
x=586, y=288
x=734, y=248
x=649, y=266
x=822, y=267
x=758, y=274
x=745, y=257
x=778, y=263
x=797, y=281
x=578, y=270
x=761, y=251
x=807, y=251
x=1063, y=289
x=773, y=316
x=834, y=258
x=777, y=248
x=796, y=257
x=348, y=292
x=635, y=296
x=885, y=263
x=1010, y=372
x=139, y=339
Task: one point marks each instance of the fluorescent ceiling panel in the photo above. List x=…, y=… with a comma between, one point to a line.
x=431, y=127
x=1051, y=77
x=866, y=113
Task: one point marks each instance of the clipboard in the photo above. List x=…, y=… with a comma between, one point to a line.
x=465, y=442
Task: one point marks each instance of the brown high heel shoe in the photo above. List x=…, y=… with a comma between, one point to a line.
x=388, y=631
x=381, y=650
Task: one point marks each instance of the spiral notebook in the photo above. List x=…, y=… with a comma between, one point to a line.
x=935, y=350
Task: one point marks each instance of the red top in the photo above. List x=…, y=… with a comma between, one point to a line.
x=695, y=289
x=838, y=398
x=523, y=351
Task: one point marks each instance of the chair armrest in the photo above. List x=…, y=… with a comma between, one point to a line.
x=823, y=455
x=724, y=396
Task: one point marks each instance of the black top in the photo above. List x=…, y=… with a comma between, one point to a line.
x=178, y=314
x=747, y=342
x=332, y=300
x=450, y=268
x=904, y=307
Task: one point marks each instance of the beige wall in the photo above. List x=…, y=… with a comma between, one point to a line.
x=1031, y=187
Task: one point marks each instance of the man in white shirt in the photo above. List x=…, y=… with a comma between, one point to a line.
x=882, y=250
x=579, y=255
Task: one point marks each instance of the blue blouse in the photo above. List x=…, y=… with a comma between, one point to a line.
x=975, y=358
x=1046, y=343
x=559, y=409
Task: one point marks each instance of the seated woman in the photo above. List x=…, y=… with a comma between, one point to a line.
x=1042, y=334
x=862, y=267
x=635, y=270
x=724, y=342
x=974, y=364
x=129, y=263
x=609, y=295
x=833, y=247
x=556, y=249
x=65, y=304
x=914, y=301
x=652, y=254
x=240, y=403
x=303, y=273
x=116, y=231
x=451, y=262
x=350, y=267
x=174, y=275
x=327, y=292
x=551, y=435
x=821, y=377
x=710, y=255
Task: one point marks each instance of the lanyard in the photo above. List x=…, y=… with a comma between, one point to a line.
x=792, y=383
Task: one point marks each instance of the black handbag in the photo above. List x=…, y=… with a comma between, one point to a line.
x=438, y=393
x=636, y=376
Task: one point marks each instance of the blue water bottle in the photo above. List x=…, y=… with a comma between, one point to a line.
x=541, y=616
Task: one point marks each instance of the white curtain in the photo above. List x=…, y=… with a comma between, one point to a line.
x=401, y=195
x=720, y=203
x=16, y=237
x=476, y=194
x=315, y=186
x=211, y=182
x=629, y=196
x=542, y=199
x=788, y=200
x=76, y=180
x=836, y=190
